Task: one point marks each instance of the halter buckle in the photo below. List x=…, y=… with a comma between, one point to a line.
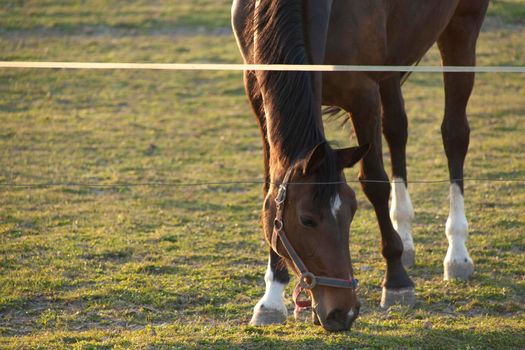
x=281, y=195
x=308, y=280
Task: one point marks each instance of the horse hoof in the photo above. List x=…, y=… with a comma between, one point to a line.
x=401, y=296
x=264, y=316
x=461, y=270
x=408, y=258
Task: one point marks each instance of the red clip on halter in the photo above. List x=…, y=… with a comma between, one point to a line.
x=307, y=280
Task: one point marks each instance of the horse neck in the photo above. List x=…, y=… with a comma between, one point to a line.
x=290, y=142
x=293, y=113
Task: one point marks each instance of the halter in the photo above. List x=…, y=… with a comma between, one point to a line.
x=307, y=280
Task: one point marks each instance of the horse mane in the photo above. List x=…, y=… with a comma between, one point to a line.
x=277, y=36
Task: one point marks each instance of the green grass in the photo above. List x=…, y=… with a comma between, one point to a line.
x=85, y=16
x=512, y=11
x=166, y=267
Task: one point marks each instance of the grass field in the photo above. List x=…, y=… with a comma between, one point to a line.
x=154, y=267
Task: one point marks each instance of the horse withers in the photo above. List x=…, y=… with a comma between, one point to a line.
x=308, y=207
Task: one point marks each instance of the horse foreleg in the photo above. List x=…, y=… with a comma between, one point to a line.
x=271, y=308
x=457, y=45
x=395, y=129
x=365, y=111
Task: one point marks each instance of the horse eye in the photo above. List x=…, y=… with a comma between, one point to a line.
x=307, y=222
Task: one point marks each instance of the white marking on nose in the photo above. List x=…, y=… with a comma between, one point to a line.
x=350, y=314
x=336, y=205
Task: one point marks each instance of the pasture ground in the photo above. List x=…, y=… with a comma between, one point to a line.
x=157, y=267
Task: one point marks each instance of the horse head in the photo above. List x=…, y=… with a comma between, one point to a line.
x=307, y=221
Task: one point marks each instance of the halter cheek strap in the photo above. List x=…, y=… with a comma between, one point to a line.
x=307, y=280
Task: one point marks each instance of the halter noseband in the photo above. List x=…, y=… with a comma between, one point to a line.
x=307, y=280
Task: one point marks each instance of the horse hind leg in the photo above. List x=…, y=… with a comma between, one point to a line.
x=456, y=132
x=457, y=46
x=395, y=130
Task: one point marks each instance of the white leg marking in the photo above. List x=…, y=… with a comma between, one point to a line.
x=273, y=297
x=336, y=205
x=458, y=263
x=402, y=214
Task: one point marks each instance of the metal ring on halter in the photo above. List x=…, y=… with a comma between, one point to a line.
x=305, y=277
x=278, y=224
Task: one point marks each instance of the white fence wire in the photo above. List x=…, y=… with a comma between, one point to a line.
x=260, y=67
x=242, y=67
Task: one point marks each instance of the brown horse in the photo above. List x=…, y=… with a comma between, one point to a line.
x=308, y=223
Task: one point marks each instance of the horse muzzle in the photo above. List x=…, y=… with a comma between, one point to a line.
x=338, y=320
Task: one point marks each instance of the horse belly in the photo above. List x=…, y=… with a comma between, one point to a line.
x=379, y=32
x=414, y=26
x=356, y=36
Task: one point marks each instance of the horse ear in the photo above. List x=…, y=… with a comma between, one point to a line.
x=347, y=157
x=314, y=159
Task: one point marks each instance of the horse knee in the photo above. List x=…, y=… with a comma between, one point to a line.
x=393, y=248
x=395, y=130
x=455, y=128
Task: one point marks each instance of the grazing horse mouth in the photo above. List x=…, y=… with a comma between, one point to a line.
x=337, y=320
